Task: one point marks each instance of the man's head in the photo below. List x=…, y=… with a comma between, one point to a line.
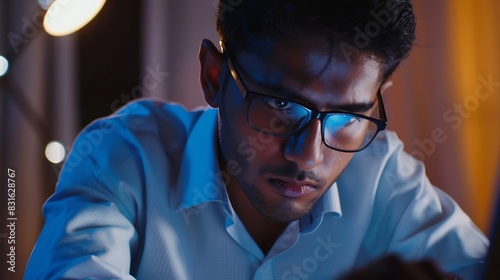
x=383, y=28
x=287, y=58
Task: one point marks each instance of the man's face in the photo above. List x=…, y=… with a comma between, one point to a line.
x=283, y=177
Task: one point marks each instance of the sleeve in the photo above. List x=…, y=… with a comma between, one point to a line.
x=416, y=220
x=90, y=229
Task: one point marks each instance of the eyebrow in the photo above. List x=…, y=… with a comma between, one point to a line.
x=358, y=107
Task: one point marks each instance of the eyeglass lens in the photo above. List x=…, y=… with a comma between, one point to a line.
x=279, y=117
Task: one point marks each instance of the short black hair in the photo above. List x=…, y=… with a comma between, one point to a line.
x=383, y=28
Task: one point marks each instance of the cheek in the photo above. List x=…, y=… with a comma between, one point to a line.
x=335, y=163
x=233, y=135
x=246, y=145
x=232, y=119
x=239, y=142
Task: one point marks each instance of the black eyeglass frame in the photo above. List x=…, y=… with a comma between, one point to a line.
x=312, y=114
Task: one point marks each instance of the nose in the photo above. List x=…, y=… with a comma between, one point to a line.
x=305, y=147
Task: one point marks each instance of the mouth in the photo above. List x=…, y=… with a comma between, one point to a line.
x=292, y=189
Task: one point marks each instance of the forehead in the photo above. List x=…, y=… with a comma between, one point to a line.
x=312, y=70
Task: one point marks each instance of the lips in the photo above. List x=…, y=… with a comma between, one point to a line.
x=292, y=189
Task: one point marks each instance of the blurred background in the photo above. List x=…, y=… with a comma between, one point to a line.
x=445, y=101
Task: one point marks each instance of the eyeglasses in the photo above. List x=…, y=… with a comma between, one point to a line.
x=341, y=130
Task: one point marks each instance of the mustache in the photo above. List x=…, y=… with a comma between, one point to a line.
x=293, y=172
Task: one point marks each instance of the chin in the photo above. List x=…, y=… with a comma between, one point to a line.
x=286, y=211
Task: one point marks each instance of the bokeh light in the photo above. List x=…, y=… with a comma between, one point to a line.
x=4, y=65
x=55, y=152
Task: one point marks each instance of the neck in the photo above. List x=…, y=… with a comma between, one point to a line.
x=264, y=231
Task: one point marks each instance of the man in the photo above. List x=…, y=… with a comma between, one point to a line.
x=289, y=176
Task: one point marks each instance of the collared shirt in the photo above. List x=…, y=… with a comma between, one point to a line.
x=142, y=196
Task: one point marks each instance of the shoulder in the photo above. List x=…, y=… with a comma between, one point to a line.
x=149, y=114
x=143, y=120
x=407, y=214
x=385, y=161
x=142, y=132
x=391, y=174
x=141, y=144
x=387, y=181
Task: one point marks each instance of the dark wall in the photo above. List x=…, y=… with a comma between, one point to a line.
x=108, y=51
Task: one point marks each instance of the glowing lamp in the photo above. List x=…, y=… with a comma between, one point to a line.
x=64, y=17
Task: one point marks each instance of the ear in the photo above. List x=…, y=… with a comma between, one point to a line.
x=385, y=85
x=211, y=72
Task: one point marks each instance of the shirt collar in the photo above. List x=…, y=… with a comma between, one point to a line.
x=328, y=203
x=200, y=181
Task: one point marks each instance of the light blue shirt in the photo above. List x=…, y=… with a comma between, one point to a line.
x=141, y=197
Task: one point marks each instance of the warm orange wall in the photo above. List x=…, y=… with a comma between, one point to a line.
x=457, y=46
x=476, y=52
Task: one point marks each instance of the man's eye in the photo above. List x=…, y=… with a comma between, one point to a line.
x=276, y=103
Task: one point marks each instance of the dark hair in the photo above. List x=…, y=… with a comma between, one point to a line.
x=384, y=28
